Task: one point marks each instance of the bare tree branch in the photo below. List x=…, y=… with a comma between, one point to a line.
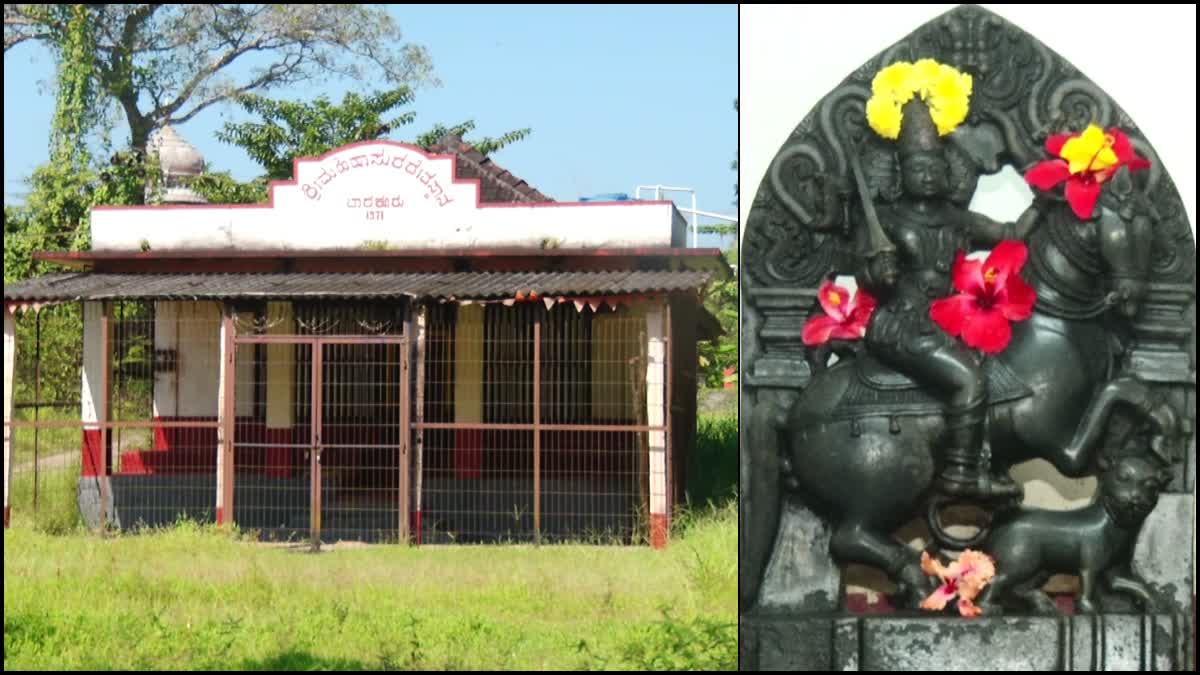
x=229, y=95
x=179, y=57
x=190, y=88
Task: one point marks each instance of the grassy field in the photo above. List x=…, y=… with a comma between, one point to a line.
x=58, y=460
x=195, y=597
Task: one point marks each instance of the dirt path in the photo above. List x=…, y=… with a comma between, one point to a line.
x=59, y=458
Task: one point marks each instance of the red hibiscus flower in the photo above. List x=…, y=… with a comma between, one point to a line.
x=991, y=294
x=1085, y=161
x=845, y=317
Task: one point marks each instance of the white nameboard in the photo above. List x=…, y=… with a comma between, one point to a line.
x=390, y=195
x=376, y=180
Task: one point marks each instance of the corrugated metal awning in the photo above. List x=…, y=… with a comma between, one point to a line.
x=452, y=285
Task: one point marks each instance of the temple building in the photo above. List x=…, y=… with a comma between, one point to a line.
x=400, y=345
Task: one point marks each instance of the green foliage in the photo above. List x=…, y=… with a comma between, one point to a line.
x=486, y=145
x=19, y=243
x=713, y=469
x=721, y=300
x=735, y=163
x=56, y=213
x=696, y=645
x=61, y=190
x=64, y=190
x=75, y=111
x=57, y=360
x=129, y=178
x=222, y=188
x=292, y=129
x=57, y=511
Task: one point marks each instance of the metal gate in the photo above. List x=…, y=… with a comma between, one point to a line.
x=320, y=437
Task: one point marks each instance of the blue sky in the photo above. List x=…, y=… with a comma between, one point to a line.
x=616, y=96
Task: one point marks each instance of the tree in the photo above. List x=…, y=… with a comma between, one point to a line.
x=291, y=129
x=163, y=64
x=60, y=190
x=64, y=189
x=721, y=301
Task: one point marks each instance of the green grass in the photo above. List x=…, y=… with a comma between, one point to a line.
x=59, y=458
x=196, y=597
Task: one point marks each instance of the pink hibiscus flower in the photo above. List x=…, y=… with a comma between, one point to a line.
x=845, y=317
x=964, y=577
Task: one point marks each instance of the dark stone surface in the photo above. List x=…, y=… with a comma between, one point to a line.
x=1118, y=384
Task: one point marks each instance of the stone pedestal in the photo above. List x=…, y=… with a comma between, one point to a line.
x=952, y=644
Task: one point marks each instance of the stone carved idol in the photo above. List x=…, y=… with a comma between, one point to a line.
x=1064, y=339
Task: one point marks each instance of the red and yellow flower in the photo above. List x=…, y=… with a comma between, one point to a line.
x=1085, y=161
x=990, y=295
x=845, y=317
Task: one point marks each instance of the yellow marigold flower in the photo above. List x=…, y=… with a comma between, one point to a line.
x=947, y=114
x=894, y=82
x=1090, y=151
x=948, y=99
x=951, y=83
x=944, y=89
x=883, y=114
x=925, y=73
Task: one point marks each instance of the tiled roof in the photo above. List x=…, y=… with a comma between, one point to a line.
x=496, y=185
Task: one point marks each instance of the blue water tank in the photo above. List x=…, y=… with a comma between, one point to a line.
x=610, y=197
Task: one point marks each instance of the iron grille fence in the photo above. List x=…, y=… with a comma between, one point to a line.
x=131, y=439
x=515, y=423
x=533, y=425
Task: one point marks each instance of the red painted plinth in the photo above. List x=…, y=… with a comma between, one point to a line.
x=279, y=459
x=658, y=530
x=468, y=453
x=93, y=453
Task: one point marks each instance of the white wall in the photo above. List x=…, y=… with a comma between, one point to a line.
x=91, y=399
x=199, y=358
x=193, y=330
x=166, y=336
